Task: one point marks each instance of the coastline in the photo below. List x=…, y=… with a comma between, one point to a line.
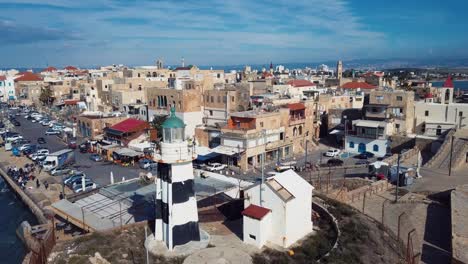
x=33, y=207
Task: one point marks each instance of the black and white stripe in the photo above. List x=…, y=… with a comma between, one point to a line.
x=177, y=205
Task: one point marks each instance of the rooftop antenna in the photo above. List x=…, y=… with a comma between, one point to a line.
x=183, y=62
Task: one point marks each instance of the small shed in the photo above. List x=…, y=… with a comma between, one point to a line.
x=257, y=224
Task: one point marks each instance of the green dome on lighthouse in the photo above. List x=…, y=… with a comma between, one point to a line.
x=173, y=121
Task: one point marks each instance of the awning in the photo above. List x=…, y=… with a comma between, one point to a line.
x=207, y=156
x=226, y=150
x=107, y=147
x=128, y=152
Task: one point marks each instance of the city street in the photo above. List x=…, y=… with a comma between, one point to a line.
x=99, y=172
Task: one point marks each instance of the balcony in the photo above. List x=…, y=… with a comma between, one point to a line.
x=354, y=133
x=381, y=115
x=296, y=120
x=277, y=144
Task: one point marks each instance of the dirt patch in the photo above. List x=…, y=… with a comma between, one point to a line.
x=126, y=246
x=361, y=241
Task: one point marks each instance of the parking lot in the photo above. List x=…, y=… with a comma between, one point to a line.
x=99, y=172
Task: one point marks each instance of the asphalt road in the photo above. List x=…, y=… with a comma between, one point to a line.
x=99, y=172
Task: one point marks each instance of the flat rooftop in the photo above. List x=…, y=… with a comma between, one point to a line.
x=254, y=113
x=127, y=202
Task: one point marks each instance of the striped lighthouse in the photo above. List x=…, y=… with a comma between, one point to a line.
x=176, y=211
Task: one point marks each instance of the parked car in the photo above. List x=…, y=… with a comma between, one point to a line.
x=72, y=145
x=332, y=153
x=24, y=146
x=13, y=138
x=52, y=132
x=40, y=152
x=61, y=171
x=335, y=162
x=95, y=157
x=88, y=186
x=41, y=140
x=284, y=166
x=87, y=180
x=364, y=155
x=83, y=148
x=75, y=175
x=362, y=162
x=146, y=163
x=39, y=157
x=74, y=179
x=215, y=167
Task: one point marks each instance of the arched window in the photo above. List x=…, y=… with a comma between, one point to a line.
x=300, y=130
x=375, y=148
x=294, y=131
x=351, y=144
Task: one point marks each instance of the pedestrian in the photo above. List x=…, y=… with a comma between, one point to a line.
x=61, y=196
x=38, y=184
x=46, y=185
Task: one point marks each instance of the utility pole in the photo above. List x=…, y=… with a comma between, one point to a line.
x=451, y=153
x=305, y=162
x=398, y=178
x=263, y=167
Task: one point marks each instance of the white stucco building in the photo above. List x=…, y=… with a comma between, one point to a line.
x=368, y=136
x=436, y=115
x=7, y=88
x=285, y=214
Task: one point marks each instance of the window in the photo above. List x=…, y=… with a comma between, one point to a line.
x=212, y=99
x=351, y=144
x=224, y=99
x=281, y=136
x=232, y=99
x=294, y=132
x=399, y=98
x=423, y=128
x=397, y=126
x=211, y=112
x=379, y=97
x=261, y=124
x=252, y=237
x=426, y=113
x=300, y=130
x=439, y=131
x=375, y=148
x=460, y=113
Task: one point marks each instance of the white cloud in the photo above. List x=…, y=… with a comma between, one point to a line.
x=301, y=29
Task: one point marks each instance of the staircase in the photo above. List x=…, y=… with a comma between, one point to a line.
x=442, y=152
x=442, y=158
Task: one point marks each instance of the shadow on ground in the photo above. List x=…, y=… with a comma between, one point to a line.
x=437, y=237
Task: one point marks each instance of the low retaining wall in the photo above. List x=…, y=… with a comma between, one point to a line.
x=323, y=211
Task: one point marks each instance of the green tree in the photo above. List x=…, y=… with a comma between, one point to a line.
x=157, y=123
x=46, y=96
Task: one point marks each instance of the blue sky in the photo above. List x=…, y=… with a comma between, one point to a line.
x=220, y=32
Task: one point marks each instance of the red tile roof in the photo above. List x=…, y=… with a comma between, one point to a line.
x=296, y=106
x=448, y=83
x=71, y=101
x=255, y=212
x=356, y=85
x=28, y=77
x=301, y=83
x=182, y=69
x=71, y=68
x=2, y=78
x=49, y=69
x=129, y=125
